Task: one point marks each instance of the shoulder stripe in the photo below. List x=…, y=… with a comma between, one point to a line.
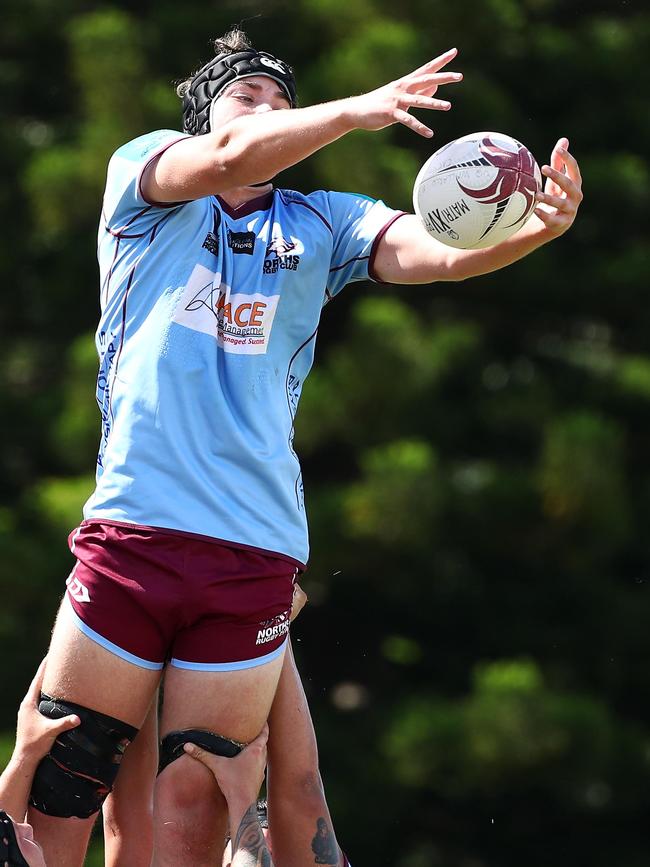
x=349, y=262
x=308, y=206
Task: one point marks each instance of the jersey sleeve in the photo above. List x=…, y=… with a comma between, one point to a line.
x=123, y=199
x=358, y=224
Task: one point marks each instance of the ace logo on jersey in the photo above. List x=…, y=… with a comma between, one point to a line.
x=241, y=323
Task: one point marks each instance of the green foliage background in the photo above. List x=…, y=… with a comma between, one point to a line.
x=476, y=455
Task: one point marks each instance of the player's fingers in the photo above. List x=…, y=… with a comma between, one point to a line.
x=572, y=167
x=552, y=220
x=429, y=83
x=199, y=754
x=262, y=738
x=556, y=156
x=417, y=100
x=64, y=724
x=298, y=602
x=435, y=64
x=545, y=216
x=403, y=117
x=559, y=203
x=259, y=743
x=34, y=691
x=564, y=182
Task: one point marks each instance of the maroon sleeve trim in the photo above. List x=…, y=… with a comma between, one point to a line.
x=154, y=156
x=375, y=246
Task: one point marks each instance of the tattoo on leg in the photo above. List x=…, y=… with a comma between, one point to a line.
x=324, y=845
x=250, y=838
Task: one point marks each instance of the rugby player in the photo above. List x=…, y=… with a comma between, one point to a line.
x=212, y=286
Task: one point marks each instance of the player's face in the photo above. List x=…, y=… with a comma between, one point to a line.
x=253, y=95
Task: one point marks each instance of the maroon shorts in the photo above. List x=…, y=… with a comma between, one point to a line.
x=153, y=595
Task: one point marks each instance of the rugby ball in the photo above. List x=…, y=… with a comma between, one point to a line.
x=478, y=190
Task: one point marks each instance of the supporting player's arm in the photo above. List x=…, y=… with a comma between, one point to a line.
x=254, y=147
x=34, y=738
x=408, y=254
x=239, y=779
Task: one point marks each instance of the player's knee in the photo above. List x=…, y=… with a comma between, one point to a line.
x=80, y=769
x=187, y=791
x=187, y=786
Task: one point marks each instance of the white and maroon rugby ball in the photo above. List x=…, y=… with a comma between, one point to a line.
x=478, y=190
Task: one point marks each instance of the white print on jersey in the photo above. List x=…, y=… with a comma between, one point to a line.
x=240, y=322
x=77, y=590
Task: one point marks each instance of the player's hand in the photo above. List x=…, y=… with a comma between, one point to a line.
x=299, y=600
x=36, y=733
x=240, y=777
x=562, y=194
x=391, y=103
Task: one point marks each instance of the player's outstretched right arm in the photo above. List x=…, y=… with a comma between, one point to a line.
x=254, y=147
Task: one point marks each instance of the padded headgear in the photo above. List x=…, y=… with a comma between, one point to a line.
x=171, y=746
x=9, y=849
x=210, y=80
x=78, y=773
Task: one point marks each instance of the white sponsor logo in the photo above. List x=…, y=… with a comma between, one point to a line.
x=273, y=629
x=77, y=590
x=241, y=323
x=274, y=64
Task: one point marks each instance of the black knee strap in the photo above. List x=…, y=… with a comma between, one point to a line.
x=80, y=769
x=9, y=849
x=171, y=746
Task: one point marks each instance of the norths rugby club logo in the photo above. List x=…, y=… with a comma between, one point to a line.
x=240, y=322
x=277, y=627
x=282, y=254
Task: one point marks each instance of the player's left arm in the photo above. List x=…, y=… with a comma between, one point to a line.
x=408, y=254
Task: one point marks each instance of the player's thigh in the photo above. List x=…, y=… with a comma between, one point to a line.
x=292, y=745
x=190, y=811
x=234, y=704
x=128, y=810
x=80, y=670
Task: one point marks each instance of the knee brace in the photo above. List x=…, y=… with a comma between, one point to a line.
x=9, y=849
x=171, y=746
x=80, y=769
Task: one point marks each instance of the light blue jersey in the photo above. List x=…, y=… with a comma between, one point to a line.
x=207, y=333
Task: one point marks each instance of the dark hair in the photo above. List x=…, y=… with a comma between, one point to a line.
x=233, y=41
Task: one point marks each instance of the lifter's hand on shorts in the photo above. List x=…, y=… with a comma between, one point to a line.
x=299, y=601
x=391, y=103
x=36, y=733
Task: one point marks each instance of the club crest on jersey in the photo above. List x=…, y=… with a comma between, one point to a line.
x=240, y=322
x=282, y=254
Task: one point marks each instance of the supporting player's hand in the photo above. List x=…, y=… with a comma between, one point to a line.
x=391, y=103
x=299, y=600
x=562, y=194
x=35, y=733
x=240, y=777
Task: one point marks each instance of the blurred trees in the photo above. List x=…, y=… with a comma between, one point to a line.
x=476, y=456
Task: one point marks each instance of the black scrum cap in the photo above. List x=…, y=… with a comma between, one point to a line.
x=211, y=79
